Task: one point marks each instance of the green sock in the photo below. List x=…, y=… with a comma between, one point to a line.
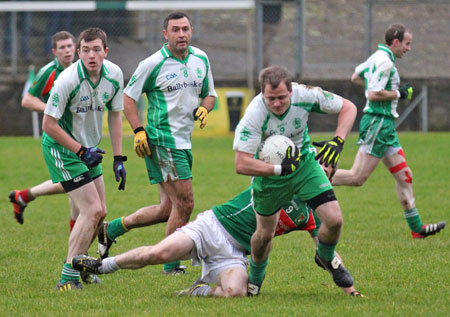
x=413, y=219
x=326, y=250
x=171, y=265
x=257, y=271
x=116, y=228
x=68, y=273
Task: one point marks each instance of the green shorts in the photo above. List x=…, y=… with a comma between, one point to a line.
x=64, y=165
x=308, y=181
x=168, y=164
x=378, y=134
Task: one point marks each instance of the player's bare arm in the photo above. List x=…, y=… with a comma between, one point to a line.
x=246, y=164
x=131, y=112
x=208, y=102
x=33, y=103
x=346, y=118
x=115, y=131
x=382, y=95
x=358, y=80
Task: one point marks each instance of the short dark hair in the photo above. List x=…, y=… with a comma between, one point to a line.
x=62, y=35
x=274, y=76
x=92, y=34
x=175, y=16
x=395, y=31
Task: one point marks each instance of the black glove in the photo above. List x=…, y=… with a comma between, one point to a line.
x=329, y=151
x=119, y=170
x=290, y=162
x=406, y=91
x=91, y=156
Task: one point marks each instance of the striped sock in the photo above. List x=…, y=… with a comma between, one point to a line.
x=413, y=219
x=201, y=291
x=69, y=274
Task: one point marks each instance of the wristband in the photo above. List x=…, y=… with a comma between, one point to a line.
x=277, y=169
x=81, y=151
x=138, y=130
x=398, y=94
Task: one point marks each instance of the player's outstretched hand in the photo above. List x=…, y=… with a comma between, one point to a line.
x=120, y=171
x=91, y=156
x=201, y=113
x=141, y=142
x=406, y=91
x=291, y=161
x=330, y=151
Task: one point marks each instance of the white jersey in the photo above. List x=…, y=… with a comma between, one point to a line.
x=259, y=122
x=79, y=105
x=380, y=73
x=173, y=89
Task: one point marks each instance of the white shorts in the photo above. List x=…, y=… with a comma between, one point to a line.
x=391, y=150
x=215, y=249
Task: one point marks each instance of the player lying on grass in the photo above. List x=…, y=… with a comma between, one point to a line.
x=219, y=240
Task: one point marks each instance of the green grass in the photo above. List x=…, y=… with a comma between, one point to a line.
x=398, y=275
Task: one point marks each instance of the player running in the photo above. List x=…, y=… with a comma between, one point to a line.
x=35, y=99
x=378, y=138
x=219, y=240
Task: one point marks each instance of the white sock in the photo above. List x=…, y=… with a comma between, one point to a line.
x=109, y=265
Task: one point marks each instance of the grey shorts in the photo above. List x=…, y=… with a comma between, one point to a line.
x=215, y=249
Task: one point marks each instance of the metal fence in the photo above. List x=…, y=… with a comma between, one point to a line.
x=315, y=39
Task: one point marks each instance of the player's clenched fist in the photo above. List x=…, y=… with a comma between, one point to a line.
x=329, y=151
x=141, y=142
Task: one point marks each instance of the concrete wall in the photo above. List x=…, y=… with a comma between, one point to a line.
x=15, y=121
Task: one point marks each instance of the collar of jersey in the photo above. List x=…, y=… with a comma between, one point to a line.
x=166, y=53
x=83, y=74
x=386, y=49
x=58, y=64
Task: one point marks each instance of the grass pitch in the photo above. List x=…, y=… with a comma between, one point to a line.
x=399, y=276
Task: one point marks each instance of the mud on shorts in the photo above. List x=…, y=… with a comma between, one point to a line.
x=165, y=164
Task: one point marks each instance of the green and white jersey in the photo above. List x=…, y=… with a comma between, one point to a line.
x=173, y=89
x=43, y=82
x=379, y=73
x=259, y=122
x=239, y=220
x=79, y=105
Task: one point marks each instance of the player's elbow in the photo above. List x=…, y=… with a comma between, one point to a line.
x=25, y=103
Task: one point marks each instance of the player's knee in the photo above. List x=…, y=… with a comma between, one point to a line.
x=334, y=223
x=264, y=236
x=235, y=291
x=186, y=205
x=97, y=213
x=359, y=179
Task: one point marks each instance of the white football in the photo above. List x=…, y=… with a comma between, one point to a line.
x=273, y=149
